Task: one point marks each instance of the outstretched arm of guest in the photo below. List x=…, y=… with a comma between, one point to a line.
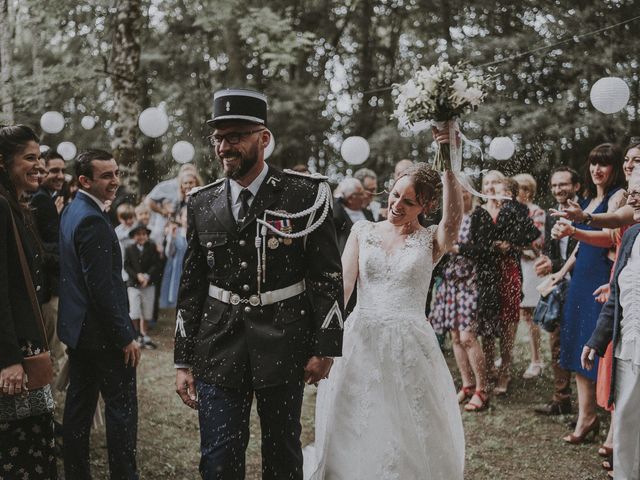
x=619, y=218
x=597, y=238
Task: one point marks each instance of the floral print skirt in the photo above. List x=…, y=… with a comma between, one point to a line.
x=27, y=449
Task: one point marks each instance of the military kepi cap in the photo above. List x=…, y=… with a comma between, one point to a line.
x=239, y=104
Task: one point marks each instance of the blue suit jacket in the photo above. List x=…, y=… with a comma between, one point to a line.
x=93, y=311
x=608, y=327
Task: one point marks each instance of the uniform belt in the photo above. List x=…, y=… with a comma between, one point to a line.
x=266, y=298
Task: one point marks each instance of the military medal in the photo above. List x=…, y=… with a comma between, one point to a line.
x=286, y=228
x=211, y=260
x=273, y=243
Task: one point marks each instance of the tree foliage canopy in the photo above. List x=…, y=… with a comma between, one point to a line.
x=327, y=67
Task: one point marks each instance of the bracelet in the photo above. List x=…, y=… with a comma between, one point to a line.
x=589, y=219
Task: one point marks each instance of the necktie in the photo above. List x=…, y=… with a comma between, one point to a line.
x=245, y=196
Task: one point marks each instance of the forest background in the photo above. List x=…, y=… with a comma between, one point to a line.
x=326, y=66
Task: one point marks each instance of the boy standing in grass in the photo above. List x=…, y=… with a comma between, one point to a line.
x=142, y=264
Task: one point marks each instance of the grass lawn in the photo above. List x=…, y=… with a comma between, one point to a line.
x=508, y=441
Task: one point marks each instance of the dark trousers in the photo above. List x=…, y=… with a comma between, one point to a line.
x=224, y=431
x=92, y=372
x=561, y=377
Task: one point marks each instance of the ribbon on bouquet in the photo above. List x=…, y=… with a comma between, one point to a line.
x=455, y=157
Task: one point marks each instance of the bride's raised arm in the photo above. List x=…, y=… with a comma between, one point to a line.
x=350, y=265
x=452, y=208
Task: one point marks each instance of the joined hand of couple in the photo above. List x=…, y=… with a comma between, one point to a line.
x=317, y=368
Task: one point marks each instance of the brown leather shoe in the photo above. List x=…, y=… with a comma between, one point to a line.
x=554, y=408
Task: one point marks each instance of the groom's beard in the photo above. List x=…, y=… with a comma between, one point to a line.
x=244, y=165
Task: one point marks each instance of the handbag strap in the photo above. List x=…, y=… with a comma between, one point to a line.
x=26, y=272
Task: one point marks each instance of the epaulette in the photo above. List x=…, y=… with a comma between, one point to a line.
x=195, y=190
x=311, y=176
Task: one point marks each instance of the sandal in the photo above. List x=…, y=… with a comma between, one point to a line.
x=607, y=464
x=503, y=385
x=465, y=392
x=475, y=406
x=605, y=451
x=534, y=370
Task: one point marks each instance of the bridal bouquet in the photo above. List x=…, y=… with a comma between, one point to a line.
x=440, y=94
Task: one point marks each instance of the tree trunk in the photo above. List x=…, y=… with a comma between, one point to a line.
x=36, y=57
x=366, y=71
x=446, y=24
x=125, y=75
x=235, y=75
x=6, y=47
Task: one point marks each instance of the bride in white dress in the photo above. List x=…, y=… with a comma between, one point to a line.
x=388, y=410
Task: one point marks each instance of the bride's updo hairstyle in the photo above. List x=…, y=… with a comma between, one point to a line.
x=427, y=184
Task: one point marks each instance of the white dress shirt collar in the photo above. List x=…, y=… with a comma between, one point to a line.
x=236, y=188
x=100, y=204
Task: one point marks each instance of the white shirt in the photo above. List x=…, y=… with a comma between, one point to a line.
x=355, y=215
x=236, y=188
x=100, y=204
x=564, y=241
x=628, y=347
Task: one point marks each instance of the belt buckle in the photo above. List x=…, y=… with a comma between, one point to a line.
x=254, y=300
x=235, y=299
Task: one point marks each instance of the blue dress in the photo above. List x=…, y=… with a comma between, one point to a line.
x=591, y=270
x=173, y=270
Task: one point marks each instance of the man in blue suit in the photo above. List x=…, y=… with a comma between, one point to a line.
x=94, y=323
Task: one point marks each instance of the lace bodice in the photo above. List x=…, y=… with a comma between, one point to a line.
x=396, y=282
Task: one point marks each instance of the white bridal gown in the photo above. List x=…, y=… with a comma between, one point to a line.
x=388, y=410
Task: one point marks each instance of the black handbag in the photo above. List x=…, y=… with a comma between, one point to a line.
x=548, y=312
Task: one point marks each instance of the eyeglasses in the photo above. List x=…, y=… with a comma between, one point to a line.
x=232, y=138
x=634, y=195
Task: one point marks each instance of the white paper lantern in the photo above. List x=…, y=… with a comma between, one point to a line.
x=270, y=147
x=44, y=148
x=67, y=150
x=52, y=122
x=355, y=150
x=609, y=94
x=88, y=122
x=183, y=151
x=502, y=148
x=153, y=122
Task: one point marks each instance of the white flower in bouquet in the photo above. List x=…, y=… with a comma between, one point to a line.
x=440, y=93
x=474, y=96
x=409, y=90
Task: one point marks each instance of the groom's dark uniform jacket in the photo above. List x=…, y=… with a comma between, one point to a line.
x=229, y=345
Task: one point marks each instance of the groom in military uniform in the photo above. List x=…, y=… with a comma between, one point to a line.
x=261, y=297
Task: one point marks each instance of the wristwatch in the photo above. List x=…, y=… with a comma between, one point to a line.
x=589, y=219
